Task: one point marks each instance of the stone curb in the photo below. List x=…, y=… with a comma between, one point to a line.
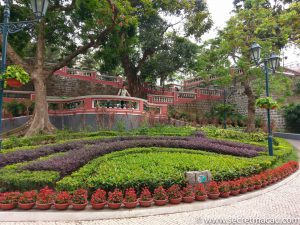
x=90, y=214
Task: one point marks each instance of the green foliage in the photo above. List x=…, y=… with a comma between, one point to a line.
x=16, y=72
x=292, y=117
x=254, y=137
x=267, y=103
x=150, y=167
x=15, y=108
x=12, y=178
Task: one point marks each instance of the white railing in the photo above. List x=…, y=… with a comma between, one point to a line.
x=163, y=99
x=204, y=91
x=187, y=95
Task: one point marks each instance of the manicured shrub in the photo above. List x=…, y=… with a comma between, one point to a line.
x=76, y=158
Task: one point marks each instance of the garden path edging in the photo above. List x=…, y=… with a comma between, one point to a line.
x=90, y=214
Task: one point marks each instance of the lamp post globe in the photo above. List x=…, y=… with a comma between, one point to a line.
x=274, y=61
x=39, y=8
x=255, y=52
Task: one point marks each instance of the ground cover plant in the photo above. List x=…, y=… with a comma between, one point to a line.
x=73, y=164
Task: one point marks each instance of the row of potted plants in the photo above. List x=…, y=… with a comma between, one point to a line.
x=46, y=197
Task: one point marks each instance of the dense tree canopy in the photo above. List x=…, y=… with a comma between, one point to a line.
x=254, y=21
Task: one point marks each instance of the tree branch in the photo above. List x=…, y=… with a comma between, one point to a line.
x=94, y=42
x=147, y=53
x=14, y=57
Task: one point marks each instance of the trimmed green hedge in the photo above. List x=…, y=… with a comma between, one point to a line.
x=150, y=167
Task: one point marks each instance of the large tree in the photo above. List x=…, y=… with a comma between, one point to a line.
x=140, y=44
x=70, y=28
x=254, y=21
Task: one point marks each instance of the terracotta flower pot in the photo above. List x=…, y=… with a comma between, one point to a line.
x=145, y=203
x=243, y=190
x=234, y=192
x=98, y=205
x=258, y=186
x=225, y=194
x=213, y=195
x=43, y=206
x=79, y=206
x=13, y=82
x=188, y=199
x=63, y=206
x=130, y=205
x=112, y=205
x=175, y=201
x=201, y=197
x=7, y=206
x=26, y=206
x=160, y=202
x=251, y=188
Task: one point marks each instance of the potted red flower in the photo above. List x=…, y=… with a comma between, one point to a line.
x=243, y=185
x=44, y=198
x=234, y=187
x=9, y=200
x=224, y=189
x=264, y=180
x=174, y=194
x=257, y=182
x=130, y=199
x=62, y=200
x=250, y=183
x=188, y=194
x=212, y=190
x=145, y=198
x=98, y=199
x=115, y=199
x=27, y=200
x=79, y=199
x=160, y=196
x=200, y=192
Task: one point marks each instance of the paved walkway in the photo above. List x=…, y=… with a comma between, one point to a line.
x=281, y=205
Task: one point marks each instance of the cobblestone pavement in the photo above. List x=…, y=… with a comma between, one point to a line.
x=279, y=206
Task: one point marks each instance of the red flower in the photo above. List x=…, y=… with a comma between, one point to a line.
x=188, y=191
x=28, y=197
x=200, y=190
x=79, y=196
x=116, y=196
x=174, y=192
x=45, y=196
x=145, y=194
x=224, y=187
x=9, y=197
x=99, y=196
x=212, y=187
x=160, y=194
x=130, y=195
x=62, y=197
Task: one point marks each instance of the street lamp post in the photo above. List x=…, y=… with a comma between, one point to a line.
x=255, y=52
x=39, y=8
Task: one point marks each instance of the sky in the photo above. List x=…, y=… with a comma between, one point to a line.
x=221, y=11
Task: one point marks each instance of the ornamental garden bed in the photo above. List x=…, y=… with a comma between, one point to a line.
x=136, y=161
x=78, y=199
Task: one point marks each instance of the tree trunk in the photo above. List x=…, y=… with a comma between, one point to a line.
x=130, y=73
x=251, y=107
x=40, y=122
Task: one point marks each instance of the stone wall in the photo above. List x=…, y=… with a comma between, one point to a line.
x=65, y=86
x=71, y=87
x=198, y=107
x=240, y=100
